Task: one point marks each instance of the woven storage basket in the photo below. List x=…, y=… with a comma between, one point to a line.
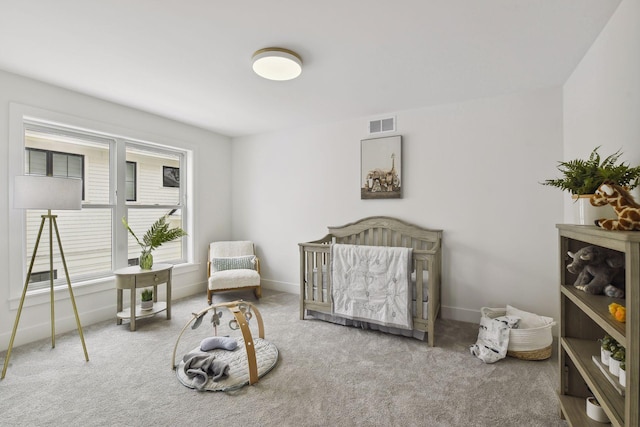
x=527, y=344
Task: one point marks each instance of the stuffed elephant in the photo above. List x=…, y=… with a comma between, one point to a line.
x=599, y=271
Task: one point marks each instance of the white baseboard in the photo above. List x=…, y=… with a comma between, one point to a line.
x=291, y=288
x=183, y=291
x=64, y=323
x=460, y=314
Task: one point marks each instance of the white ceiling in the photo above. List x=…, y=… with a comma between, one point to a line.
x=190, y=60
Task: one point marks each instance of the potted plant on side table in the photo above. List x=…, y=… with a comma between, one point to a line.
x=147, y=299
x=582, y=178
x=157, y=234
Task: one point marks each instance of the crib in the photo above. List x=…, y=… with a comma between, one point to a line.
x=426, y=264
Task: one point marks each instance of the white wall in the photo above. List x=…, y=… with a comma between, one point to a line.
x=212, y=199
x=471, y=169
x=602, y=96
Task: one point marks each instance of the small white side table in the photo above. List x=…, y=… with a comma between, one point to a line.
x=134, y=277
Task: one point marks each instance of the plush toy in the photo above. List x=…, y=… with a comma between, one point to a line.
x=599, y=271
x=627, y=210
x=618, y=311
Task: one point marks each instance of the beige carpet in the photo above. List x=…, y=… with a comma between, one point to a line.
x=327, y=375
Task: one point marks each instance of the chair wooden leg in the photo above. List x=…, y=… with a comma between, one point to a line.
x=209, y=296
x=258, y=292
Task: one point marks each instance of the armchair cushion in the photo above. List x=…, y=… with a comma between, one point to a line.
x=233, y=263
x=229, y=279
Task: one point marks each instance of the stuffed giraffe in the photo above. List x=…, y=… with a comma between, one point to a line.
x=626, y=208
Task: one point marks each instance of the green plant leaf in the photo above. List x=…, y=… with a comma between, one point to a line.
x=160, y=233
x=585, y=176
x=124, y=222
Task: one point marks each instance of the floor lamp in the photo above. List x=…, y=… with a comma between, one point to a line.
x=44, y=192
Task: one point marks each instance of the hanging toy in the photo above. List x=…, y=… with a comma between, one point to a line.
x=215, y=321
x=198, y=317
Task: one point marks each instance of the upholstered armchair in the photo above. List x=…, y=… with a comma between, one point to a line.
x=232, y=265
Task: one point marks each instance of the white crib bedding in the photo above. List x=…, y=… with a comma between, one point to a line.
x=372, y=284
x=425, y=288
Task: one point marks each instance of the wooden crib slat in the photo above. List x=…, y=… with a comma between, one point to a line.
x=434, y=295
x=319, y=278
x=419, y=265
x=309, y=295
x=303, y=280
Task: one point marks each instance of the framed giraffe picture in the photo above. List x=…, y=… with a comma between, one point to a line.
x=381, y=168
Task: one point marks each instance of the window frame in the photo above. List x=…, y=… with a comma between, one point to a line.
x=20, y=116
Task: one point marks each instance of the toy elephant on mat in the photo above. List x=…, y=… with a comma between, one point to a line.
x=599, y=271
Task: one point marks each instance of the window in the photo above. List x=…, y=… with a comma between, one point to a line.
x=154, y=198
x=53, y=163
x=89, y=236
x=86, y=235
x=130, y=182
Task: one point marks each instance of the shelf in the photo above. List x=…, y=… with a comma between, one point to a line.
x=593, y=235
x=581, y=352
x=613, y=379
x=585, y=318
x=158, y=307
x=597, y=308
x=574, y=409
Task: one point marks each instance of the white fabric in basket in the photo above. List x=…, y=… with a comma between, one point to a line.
x=525, y=339
x=528, y=320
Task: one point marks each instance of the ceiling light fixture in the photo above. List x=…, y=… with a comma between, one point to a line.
x=276, y=63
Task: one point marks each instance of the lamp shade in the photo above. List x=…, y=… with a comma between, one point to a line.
x=46, y=192
x=275, y=63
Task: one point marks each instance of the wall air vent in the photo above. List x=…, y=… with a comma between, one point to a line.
x=387, y=124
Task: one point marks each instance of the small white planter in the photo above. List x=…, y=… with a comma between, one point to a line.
x=622, y=377
x=146, y=305
x=595, y=411
x=614, y=366
x=605, y=355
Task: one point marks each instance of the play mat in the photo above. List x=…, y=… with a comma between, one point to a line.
x=251, y=359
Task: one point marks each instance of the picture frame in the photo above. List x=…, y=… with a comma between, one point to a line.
x=170, y=176
x=381, y=168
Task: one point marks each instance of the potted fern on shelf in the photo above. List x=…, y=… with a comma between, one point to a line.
x=157, y=234
x=606, y=344
x=581, y=178
x=622, y=374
